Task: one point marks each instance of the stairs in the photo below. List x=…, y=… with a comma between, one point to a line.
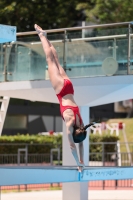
x=4, y=101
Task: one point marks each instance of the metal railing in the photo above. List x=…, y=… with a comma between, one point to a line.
x=29, y=154
x=89, y=27
x=18, y=69
x=101, y=154
x=78, y=28
x=111, y=153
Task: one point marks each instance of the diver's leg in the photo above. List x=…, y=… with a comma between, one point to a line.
x=62, y=71
x=56, y=79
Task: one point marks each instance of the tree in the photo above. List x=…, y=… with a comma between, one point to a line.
x=107, y=11
x=47, y=13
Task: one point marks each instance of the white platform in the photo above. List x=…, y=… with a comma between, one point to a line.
x=88, y=91
x=7, y=33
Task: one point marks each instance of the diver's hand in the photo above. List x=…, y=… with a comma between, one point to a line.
x=81, y=167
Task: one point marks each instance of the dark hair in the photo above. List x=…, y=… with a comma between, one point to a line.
x=79, y=133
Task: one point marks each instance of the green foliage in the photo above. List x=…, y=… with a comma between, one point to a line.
x=107, y=11
x=37, y=144
x=103, y=138
x=102, y=144
x=59, y=13
x=106, y=138
x=42, y=144
x=47, y=13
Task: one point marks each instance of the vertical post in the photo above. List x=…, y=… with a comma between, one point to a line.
x=129, y=49
x=25, y=150
x=85, y=113
x=114, y=48
x=26, y=154
x=78, y=191
x=16, y=57
x=51, y=159
x=54, y=123
x=18, y=157
x=64, y=50
x=58, y=156
x=103, y=154
x=2, y=54
x=30, y=58
x=116, y=163
x=83, y=36
x=5, y=63
x=83, y=30
x=103, y=160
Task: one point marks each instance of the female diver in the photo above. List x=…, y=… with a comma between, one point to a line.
x=64, y=90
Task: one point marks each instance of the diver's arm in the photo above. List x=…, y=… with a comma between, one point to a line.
x=81, y=152
x=69, y=130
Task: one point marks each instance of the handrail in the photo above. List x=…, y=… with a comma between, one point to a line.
x=75, y=28
x=64, y=32
x=82, y=39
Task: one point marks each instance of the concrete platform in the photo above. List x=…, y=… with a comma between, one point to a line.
x=57, y=195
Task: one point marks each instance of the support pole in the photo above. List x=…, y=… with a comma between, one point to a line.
x=64, y=50
x=26, y=155
x=78, y=191
x=129, y=48
x=114, y=48
x=5, y=63
x=83, y=30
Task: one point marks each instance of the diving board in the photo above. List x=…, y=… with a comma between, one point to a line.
x=40, y=175
x=7, y=33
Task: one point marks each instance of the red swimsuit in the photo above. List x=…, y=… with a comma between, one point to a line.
x=68, y=89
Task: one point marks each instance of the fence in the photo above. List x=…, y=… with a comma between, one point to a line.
x=111, y=154
x=80, y=55
x=100, y=155
x=24, y=154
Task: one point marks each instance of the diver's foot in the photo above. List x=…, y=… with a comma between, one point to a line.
x=40, y=31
